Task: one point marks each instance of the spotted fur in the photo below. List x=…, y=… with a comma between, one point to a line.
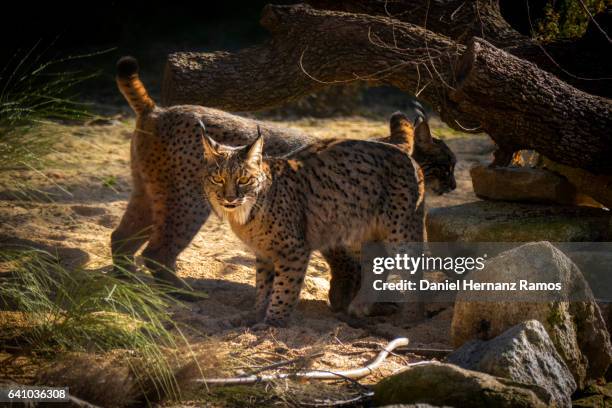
x=333, y=193
x=436, y=164
x=167, y=206
x=434, y=157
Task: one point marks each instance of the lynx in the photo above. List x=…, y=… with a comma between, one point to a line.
x=332, y=195
x=167, y=207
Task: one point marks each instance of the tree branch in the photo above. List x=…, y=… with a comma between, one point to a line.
x=516, y=103
x=578, y=62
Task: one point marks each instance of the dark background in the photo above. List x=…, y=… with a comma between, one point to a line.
x=129, y=24
x=149, y=30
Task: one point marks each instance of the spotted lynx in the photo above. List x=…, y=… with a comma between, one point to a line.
x=437, y=163
x=167, y=207
x=331, y=195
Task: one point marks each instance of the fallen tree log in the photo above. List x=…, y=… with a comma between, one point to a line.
x=459, y=20
x=523, y=107
x=577, y=62
x=517, y=104
x=310, y=50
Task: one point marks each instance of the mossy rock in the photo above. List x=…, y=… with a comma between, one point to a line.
x=448, y=385
x=572, y=319
x=490, y=221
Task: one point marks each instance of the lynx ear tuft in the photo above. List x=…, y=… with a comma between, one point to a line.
x=255, y=151
x=211, y=148
x=422, y=134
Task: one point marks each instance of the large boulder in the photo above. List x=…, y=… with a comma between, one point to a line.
x=449, y=385
x=523, y=353
x=596, y=266
x=524, y=184
x=488, y=221
x=573, y=320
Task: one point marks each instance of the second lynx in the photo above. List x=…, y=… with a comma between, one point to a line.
x=333, y=193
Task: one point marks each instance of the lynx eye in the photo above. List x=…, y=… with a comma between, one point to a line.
x=216, y=179
x=245, y=180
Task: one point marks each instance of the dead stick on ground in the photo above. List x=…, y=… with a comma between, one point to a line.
x=316, y=374
x=301, y=359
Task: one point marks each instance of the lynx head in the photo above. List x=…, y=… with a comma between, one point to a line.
x=233, y=177
x=433, y=155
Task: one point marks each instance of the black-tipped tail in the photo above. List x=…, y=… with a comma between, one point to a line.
x=127, y=67
x=400, y=123
x=132, y=87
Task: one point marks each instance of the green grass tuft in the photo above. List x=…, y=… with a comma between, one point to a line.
x=35, y=90
x=80, y=310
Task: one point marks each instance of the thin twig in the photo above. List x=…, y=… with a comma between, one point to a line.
x=469, y=130
x=452, y=16
x=354, y=373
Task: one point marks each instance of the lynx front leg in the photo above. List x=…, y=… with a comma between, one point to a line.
x=289, y=275
x=263, y=283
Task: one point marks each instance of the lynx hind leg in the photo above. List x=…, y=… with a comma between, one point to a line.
x=176, y=222
x=289, y=275
x=345, y=270
x=413, y=231
x=263, y=282
x=363, y=304
x=133, y=230
x=401, y=227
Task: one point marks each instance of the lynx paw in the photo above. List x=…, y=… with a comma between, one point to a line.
x=359, y=308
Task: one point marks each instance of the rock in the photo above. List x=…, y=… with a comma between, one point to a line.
x=598, y=186
x=487, y=221
x=523, y=184
x=576, y=328
x=596, y=396
x=525, y=354
x=606, y=312
x=596, y=266
x=448, y=385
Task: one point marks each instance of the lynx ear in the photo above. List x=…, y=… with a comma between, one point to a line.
x=422, y=134
x=211, y=148
x=255, y=150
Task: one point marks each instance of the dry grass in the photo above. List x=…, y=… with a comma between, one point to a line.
x=88, y=183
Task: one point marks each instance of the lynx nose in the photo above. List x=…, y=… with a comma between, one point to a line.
x=231, y=202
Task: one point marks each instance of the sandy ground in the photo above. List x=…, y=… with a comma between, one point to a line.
x=72, y=207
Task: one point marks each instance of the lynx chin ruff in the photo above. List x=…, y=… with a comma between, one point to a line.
x=332, y=196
